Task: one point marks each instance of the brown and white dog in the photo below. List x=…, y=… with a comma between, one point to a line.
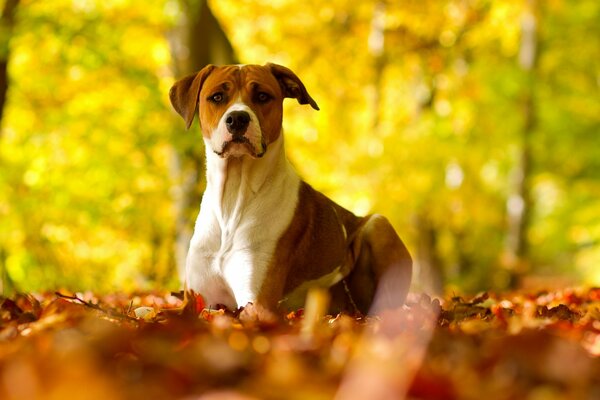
x=263, y=235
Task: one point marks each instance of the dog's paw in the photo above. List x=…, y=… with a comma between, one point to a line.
x=257, y=314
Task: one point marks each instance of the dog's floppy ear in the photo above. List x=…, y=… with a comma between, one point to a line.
x=185, y=92
x=291, y=85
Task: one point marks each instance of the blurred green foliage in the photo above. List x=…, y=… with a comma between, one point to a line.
x=423, y=118
x=84, y=198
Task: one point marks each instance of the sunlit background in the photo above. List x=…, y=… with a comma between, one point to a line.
x=474, y=125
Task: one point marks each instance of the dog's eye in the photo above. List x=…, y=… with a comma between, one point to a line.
x=263, y=97
x=217, y=97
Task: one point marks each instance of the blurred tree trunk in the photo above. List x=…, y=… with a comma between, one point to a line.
x=197, y=40
x=429, y=272
x=377, y=52
x=7, y=24
x=519, y=205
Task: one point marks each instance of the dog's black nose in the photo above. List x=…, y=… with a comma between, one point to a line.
x=237, y=122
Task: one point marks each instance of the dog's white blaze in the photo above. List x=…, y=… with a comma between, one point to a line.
x=231, y=250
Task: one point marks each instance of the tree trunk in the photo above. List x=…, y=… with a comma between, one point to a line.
x=520, y=203
x=198, y=40
x=7, y=24
x=429, y=272
x=377, y=52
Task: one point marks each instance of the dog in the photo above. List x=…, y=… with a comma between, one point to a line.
x=263, y=236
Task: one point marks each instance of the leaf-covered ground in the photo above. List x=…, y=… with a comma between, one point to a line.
x=158, y=346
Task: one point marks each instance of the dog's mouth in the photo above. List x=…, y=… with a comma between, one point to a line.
x=239, y=139
x=239, y=146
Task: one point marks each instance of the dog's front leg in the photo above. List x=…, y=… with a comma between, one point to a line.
x=240, y=272
x=203, y=278
x=245, y=273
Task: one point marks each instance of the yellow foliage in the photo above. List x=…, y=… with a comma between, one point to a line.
x=422, y=119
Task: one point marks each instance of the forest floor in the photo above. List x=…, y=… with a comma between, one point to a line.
x=158, y=346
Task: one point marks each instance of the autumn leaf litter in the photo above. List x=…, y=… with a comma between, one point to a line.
x=153, y=345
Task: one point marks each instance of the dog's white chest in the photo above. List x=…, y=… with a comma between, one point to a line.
x=245, y=210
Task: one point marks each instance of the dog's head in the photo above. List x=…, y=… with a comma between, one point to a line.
x=240, y=106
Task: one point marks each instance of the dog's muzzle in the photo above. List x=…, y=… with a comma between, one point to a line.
x=239, y=125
